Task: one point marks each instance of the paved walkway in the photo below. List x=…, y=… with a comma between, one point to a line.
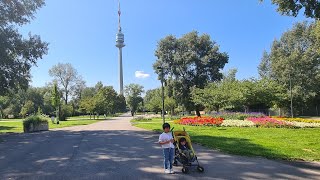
x=113, y=149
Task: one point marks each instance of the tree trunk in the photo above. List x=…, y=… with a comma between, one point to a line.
x=66, y=100
x=217, y=109
x=198, y=113
x=132, y=113
x=172, y=111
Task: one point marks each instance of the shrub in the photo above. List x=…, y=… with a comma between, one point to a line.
x=35, y=120
x=141, y=118
x=66, y=111
x=237, y=115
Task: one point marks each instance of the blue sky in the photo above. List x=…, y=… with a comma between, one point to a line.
x=83, y=33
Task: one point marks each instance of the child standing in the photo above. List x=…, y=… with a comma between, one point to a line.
x=166, y=141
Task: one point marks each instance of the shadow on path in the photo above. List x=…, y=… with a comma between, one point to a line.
x=123, y=154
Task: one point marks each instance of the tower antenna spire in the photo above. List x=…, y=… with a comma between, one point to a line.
x=119, y=13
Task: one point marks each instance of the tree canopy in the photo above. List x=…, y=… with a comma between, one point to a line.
x=133, y=96
x=295, y=58
x=192, y=60
x=293, y=7
x=17, y=53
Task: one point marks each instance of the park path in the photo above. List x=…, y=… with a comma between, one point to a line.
x=113, y=149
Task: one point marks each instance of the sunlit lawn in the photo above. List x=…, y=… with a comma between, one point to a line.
x=274, y=143
x=15, y=126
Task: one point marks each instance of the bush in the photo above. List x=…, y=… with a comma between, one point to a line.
x=141, y=118
x=35, y=120
x=66, y=111
x=237, y=115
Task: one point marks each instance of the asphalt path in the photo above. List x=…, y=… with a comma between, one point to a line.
x=113, y=149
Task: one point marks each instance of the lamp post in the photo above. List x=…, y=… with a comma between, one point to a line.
x=162, y=96
x=291, y=97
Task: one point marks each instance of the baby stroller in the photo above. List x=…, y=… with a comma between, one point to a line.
x=186, y=161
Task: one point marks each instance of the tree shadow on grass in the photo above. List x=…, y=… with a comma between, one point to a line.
x=2, y=128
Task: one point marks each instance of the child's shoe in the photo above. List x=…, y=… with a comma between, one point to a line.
x=167, y=171
x=171, y=171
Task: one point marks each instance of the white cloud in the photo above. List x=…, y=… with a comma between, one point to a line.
x=141, y=74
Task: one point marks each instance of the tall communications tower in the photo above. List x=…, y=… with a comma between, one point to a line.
x=120, y=44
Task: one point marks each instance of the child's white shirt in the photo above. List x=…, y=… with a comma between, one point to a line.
x=166, y=137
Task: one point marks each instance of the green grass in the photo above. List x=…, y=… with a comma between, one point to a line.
x=272, y=143
x=17, y=127
x=11, y=126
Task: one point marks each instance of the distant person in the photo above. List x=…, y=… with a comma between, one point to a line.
x=52, y=119
x=166, y=141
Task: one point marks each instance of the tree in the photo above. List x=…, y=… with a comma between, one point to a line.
x=67, y=76
x=191, y=60
x=218, y=95
x=120, y=104
x=18, y=54
x=28, y=108
x=133, y=96
x=88, y=104
x=295, y=58
x=153, y=101
x=265, y=66
x=292, y=8
x=106, y=100
x=170, y=104
x=55, y=100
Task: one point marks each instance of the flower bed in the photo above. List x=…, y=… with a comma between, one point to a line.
x=297, y=120
x=200, y=121
x=270, y=122
x=237, y=123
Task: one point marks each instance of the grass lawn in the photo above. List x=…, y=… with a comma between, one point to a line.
x=273, y=143
x=16, y=126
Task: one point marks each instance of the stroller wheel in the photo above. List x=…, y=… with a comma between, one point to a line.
x=200, y=169
x=185, y=170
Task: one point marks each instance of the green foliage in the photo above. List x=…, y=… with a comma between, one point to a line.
x=292, y=8
x=105, y=100
x=18, y=54
x=65, y=111
x=67, y=77
x=141, y=118
x=120, y=104
x=28, y=108
x=55, y=100
x=236, y=115
x=133, y=96
x=153, y=100
x=296, y=57
x=35, y=120
x=102, y=100
x=191, y=60
x=239, y=95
